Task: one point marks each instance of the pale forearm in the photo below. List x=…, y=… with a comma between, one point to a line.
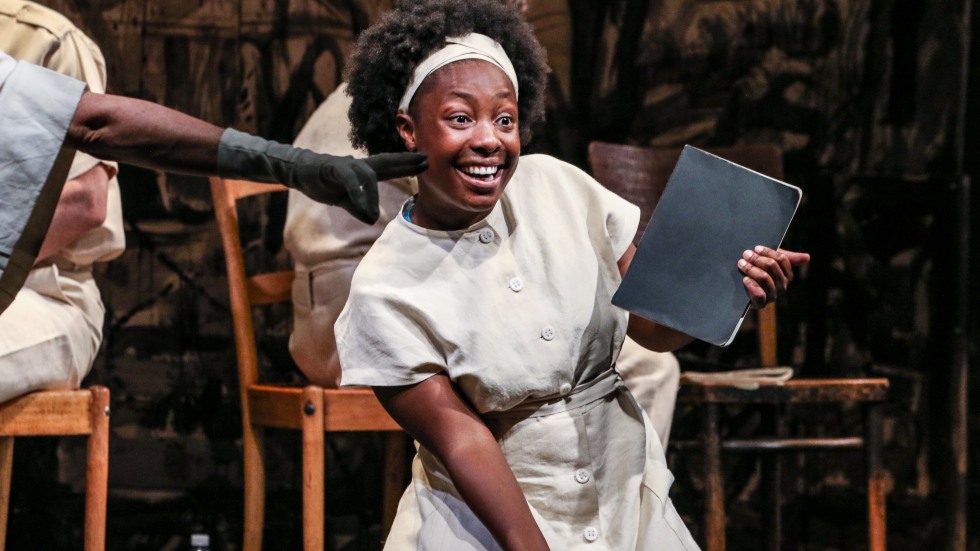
x=81, y=208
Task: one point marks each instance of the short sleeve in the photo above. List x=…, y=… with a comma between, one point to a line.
x=605, y=211
x=620, y=218
x=36, y=107
x=382, y=342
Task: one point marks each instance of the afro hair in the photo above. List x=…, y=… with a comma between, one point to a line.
x=387, y=53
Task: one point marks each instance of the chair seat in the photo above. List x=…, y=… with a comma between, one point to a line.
x=795, y=391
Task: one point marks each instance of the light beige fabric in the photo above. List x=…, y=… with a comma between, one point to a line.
x=653, y=378
x=36, y=108
x=50, y=334
x=516, y=310
x=327, y=243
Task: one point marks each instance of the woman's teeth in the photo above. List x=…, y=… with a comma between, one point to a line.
x=480, y=170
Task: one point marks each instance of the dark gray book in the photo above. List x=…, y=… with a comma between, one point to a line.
x=685, y=273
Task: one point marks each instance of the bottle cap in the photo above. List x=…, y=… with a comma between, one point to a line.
x=200, y=540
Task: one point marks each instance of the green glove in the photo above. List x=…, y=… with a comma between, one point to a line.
x=343, y=181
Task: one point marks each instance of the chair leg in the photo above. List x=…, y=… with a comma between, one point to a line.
x=394, y=477
x=97, y=471
x=253, y=451
x=772, y=467
x=877, y=526
x=714, y=498
x=6, y=466
x=313, y=469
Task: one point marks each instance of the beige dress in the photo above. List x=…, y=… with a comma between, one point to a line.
x=516, y=310
x=327, y=243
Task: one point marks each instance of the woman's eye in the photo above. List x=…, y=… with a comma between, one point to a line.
x=460, y=119
x=505, y=120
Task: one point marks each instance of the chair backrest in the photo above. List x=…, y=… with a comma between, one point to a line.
x=639, y=175
x=245, y=291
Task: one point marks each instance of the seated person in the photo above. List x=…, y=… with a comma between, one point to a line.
x=50, y=334
x=51, y=314
x=327, y=243
x=481, y=316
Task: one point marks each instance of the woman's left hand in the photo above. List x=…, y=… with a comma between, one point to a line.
x=768, y=272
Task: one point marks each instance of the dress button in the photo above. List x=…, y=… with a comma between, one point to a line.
x=590, y=534
x=548, y=333
x=516, y=284
x=582, y=476
x=564, y=389
x=486, y=235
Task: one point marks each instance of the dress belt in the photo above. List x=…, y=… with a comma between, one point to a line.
x=583, y=394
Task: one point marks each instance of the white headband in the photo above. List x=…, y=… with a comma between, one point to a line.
x=458, y=48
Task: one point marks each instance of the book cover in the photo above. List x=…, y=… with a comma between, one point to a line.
x=685, y=273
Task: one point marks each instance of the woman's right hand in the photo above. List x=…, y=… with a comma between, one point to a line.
x=769, y=272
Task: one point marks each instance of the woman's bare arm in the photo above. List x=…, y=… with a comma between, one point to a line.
x=436, y=415
x=81, y=208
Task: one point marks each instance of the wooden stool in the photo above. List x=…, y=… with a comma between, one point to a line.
x=709, y=397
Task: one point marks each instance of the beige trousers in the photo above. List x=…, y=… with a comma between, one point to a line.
x=50, y=334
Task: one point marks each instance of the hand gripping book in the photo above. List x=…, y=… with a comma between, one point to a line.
x=685, y=273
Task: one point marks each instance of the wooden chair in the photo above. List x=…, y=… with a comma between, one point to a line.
x=313, y=410
x=640, y=175
x=60, y=413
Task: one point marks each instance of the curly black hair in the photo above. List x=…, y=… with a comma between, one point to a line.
x=387, y=53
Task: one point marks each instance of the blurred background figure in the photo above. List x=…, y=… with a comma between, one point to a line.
x=50, y=334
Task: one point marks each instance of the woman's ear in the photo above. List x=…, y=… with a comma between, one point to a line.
x=406, y=129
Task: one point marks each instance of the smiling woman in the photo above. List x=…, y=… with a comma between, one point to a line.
x=482, y=316
x=465, y=118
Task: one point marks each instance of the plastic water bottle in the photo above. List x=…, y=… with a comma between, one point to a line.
x=200, y=542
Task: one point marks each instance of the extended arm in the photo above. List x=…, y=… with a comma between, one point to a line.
x=767, y=273
x=437, y=416
x=81, y=208
x=150, y=135
x=143, y=133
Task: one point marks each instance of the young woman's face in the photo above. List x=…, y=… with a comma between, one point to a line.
x=465, y=118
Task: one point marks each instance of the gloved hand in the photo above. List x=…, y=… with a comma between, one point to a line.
x=343, y=181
